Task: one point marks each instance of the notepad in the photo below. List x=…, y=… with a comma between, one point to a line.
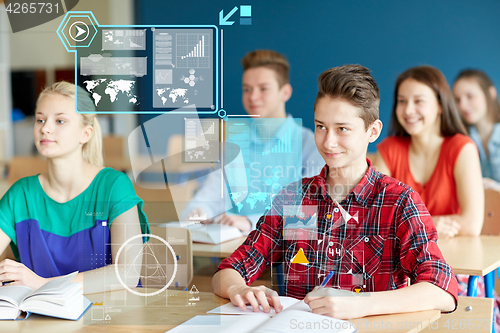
x=295, y=317
x=58, y=298
x=232, y=309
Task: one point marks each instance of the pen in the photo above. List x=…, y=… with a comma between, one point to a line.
x=327, y=279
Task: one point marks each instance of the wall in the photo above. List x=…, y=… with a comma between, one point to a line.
x=386, y=36
x=6, y=143
x=40, y=48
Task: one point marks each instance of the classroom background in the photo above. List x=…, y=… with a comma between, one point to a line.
x=385, y=36
x=388, y=37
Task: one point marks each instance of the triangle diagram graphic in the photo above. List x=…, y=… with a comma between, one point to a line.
x=194, y=290
x=300, y=258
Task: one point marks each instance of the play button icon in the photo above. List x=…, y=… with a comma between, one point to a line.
x=81, y=29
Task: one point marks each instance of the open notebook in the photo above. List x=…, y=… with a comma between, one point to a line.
x=295, y=317
x=207, y=233
x=58, y=298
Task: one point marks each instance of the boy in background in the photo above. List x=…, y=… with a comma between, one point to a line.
x=266, y=89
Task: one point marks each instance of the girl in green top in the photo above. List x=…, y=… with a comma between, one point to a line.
x=78, y=214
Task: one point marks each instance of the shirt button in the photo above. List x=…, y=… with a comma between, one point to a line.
x=336, y=210
x=367, y=239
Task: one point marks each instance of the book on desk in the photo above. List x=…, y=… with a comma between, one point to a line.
x=213, y=233
x=295, y=317
x=59, y=298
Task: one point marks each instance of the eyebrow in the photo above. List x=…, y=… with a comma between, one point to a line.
x=336, y=124
x=57, y=114
x=258, y=84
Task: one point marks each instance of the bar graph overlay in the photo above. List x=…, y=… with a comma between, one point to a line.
x=193, y=50
x=284, y=145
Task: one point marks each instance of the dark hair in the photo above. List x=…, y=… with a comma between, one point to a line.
x=355, y=85
x=451, y=123
x=269, y=59
x=484, y=83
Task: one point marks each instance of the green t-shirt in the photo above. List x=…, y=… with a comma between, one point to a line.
x=53, y=238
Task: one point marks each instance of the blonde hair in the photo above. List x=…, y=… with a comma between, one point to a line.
x=92, y=149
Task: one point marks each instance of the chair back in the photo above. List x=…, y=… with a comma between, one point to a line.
x=491, y=225
x=113, y=146
x=24, y=166
x=159, y=205
x=469, y=309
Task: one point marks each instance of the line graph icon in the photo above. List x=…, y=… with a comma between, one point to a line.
x=163, y=76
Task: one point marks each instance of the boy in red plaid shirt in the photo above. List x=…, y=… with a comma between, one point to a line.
x=373, y=232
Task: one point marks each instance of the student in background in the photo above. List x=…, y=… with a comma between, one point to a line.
x=346, y=119
x=477, y=101
x=76, y=216
x=430, y=151
x=266, y=89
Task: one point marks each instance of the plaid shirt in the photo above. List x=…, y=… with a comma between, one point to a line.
x=380, y=235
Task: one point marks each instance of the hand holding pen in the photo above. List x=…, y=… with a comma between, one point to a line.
x=327, y=279
x=335, y=302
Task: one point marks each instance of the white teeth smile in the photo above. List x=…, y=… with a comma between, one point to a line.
x=412, y=121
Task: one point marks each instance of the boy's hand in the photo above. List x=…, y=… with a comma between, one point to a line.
x=340, y=304
x=446, y=226
x=20, y=275
x=255, y=296
x=238, y=221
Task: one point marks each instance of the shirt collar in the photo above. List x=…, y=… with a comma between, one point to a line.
x=288, y=122
x=361, y=192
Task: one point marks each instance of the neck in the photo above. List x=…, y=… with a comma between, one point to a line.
x=269, y=132
x=485, y=127
x=422, y=144
x=342, y=180
x=280, y=113
x=67, y=174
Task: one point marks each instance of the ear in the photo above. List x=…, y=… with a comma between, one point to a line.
x=286, y=92
x=493, y=92
x=86, y=134
x=374, y=130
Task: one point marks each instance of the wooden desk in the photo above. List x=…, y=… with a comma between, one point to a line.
x=222, y=250
x=474, y=256
x=160, y=313
x=471, y=255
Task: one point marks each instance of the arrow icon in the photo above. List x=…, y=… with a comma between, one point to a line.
x=223, y=20
x=79, y=32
